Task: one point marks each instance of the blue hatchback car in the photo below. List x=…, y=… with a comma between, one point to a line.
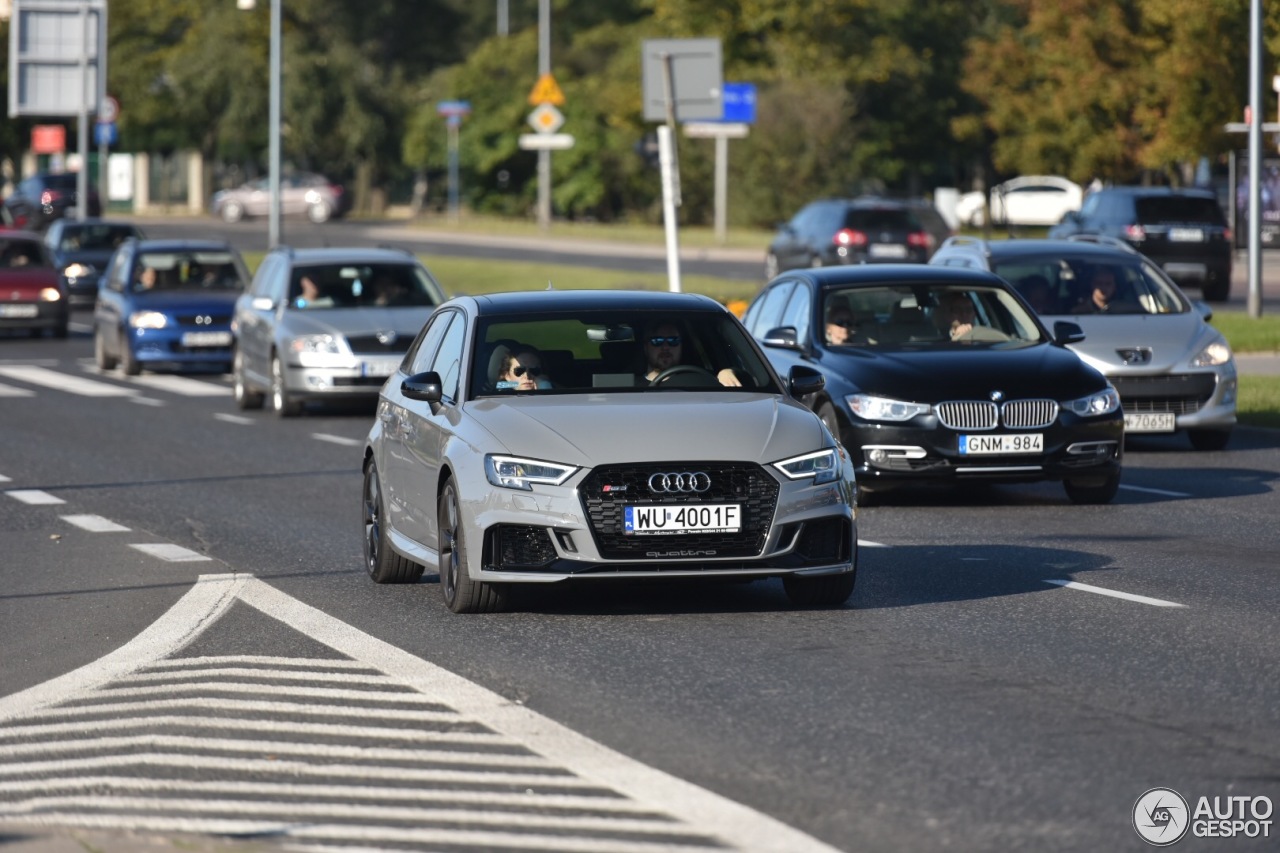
x=167, y=304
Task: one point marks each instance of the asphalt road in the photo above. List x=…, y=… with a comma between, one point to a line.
x=1013, y=671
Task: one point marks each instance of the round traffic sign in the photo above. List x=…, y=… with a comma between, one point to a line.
x=109, y=111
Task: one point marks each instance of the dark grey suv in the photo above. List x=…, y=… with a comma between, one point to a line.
x=836, y=231
x=1182, y=230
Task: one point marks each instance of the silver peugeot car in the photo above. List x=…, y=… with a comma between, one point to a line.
x=326, y=325
x=580, y=436
x=1174, y=371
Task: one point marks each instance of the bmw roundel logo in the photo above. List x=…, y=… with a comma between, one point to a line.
x=997, y=396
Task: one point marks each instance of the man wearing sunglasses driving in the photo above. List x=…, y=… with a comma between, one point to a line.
x=664, y=349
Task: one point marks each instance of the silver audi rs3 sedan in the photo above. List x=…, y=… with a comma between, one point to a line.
x=581, y=436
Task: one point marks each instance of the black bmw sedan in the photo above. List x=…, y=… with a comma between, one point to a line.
x=943, y=375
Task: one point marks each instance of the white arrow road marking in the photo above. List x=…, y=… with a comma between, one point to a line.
x=400, y=751
x=1127, y=596
x=11, y=391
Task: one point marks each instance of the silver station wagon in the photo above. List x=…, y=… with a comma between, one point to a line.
x=582, y=436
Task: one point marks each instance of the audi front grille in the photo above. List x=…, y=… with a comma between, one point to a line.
x=610, y=488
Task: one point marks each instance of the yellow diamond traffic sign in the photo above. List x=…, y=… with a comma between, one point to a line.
x=545, y=91
x=546, y=119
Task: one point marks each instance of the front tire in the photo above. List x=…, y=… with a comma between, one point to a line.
x=384, y=564
x=245, y=397
x=128, y=360
x=1089, y=493
x=820, y=591
x=100, y=355
x=282, y=403
x=461, y=593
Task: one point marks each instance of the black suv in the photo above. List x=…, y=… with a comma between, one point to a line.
x=835, y=231
x=1182, y=230
x=40, y=199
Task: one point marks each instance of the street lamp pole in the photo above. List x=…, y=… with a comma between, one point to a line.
x=273, y=219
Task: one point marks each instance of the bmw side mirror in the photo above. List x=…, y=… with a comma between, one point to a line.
x=425, y=387
x=1066, y=332
x=784, y=337
x=804, y=381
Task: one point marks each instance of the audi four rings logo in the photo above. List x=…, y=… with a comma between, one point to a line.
x=685, y=481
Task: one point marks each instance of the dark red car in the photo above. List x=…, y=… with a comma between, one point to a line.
x=32, y=296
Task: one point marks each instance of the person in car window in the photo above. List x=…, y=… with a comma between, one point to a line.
x=310, y=296
x=1101, y=297
x=839, y=325
x=955, y=315
x=522, y=371
x=1037, y=291
x=146, y=279
x=664, y=349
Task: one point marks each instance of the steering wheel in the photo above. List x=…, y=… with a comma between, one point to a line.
x=679, y=370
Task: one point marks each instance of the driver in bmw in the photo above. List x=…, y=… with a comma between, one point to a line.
x=664, y=348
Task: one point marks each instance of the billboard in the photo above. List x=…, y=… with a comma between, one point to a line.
x=57, y=57
x=1269, y=204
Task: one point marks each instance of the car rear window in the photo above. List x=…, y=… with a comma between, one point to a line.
x=898, y=220
x=1158, y=209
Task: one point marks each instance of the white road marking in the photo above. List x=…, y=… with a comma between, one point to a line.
x=95, y=524
x=183, y=385
x=337, y=439
x=1162, y=492
x=658, y=812
x=11, y=391
x=867, y=543
x=232, y=419
x=146, y=401
x=4, y=479
x=1127, y=596
x=172, y=553
x=64, y=382
x=35, y=497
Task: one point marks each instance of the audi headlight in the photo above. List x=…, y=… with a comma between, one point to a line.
x=321, y=351
x=512, y=472
x=1102, y=403
x=823, y=466
x=77, y=270
x=148, y=320
x=1213, y=355
x=871, y=408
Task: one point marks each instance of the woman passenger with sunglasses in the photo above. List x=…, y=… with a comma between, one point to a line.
x=523, y=371
x=664, y=349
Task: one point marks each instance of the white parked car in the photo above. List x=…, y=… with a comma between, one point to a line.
x=1028, y=200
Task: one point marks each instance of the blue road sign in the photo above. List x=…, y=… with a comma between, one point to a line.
x=453, y=108
x=104, y=133
x=739, y=103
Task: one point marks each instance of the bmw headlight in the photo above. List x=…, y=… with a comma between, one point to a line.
x=871, y=408
x=1102, y=403
x=78, y=270
x=321, y=351
x=823, y=466
x=1213, y=355
x=512, y=472
x=148, y=320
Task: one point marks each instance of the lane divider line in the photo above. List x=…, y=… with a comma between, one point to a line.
x=172, y=553
x=34, y=497
x=1162, y=492
x=1127, y=596
x=95, y=524
x=337, y=439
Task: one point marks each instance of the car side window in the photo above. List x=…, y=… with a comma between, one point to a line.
x=423, y=352
x=116, y=275
x=262, y=280
x=797, y=312
x=448, y=360
x=770, y=315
